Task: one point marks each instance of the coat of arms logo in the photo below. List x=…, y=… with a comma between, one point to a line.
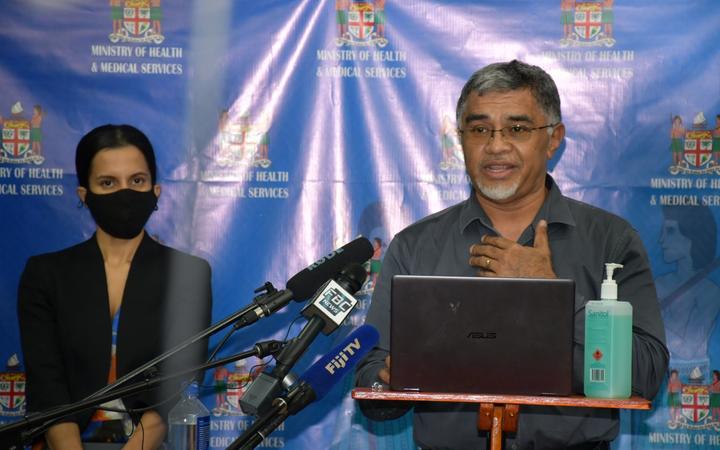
x=588, y=23
x=242, y=142
x=136, y=21
x=695, y=150
x=12, y=389
x=694, y=405
x=360, y=23
x=22, y=137
x=230, y=387
x=452, y=153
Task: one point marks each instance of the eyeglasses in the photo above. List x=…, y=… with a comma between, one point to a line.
x=480, y=134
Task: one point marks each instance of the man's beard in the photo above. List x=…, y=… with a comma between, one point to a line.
x=498, y=192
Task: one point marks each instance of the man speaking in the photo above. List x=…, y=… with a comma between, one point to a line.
x=517, y=223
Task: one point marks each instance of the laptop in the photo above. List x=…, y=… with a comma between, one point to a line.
x=482, y=335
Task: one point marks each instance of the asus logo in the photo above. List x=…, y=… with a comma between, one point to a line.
x=482, y=335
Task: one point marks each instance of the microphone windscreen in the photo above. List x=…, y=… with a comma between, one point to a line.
x=352, y=277
x=341, y=360
x=306, y=282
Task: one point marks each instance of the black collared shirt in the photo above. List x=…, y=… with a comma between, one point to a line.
x=582, y=239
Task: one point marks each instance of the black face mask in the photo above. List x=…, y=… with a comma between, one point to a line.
x=121, y=214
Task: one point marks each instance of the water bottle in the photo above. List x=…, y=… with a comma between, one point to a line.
x=189, y=422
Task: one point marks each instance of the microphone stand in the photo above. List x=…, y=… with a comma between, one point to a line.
x=282, y=407
x=24, y=436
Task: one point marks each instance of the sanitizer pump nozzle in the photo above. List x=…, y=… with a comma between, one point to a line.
x=608, y=289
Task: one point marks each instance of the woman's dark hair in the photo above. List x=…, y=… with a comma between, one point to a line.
x=111, y=136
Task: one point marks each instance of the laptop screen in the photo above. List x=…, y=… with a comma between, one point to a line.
x=482, y=335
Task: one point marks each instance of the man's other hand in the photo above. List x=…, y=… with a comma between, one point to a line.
x=384, y=373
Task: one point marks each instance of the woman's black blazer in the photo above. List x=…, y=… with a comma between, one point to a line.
x=65, y=323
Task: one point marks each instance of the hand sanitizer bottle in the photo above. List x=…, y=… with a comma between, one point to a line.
x=608, y=342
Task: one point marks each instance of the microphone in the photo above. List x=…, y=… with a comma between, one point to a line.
x=326, y=312
x=304, y=283
x=329, y=308
x=313, y=385
x=339, y=361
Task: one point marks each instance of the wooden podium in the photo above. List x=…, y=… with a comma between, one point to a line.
x=498, y=413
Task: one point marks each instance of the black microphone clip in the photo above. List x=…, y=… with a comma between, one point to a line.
x=264, y=290
x=267, y=348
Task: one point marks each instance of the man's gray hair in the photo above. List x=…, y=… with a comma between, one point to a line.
x=511, y=76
